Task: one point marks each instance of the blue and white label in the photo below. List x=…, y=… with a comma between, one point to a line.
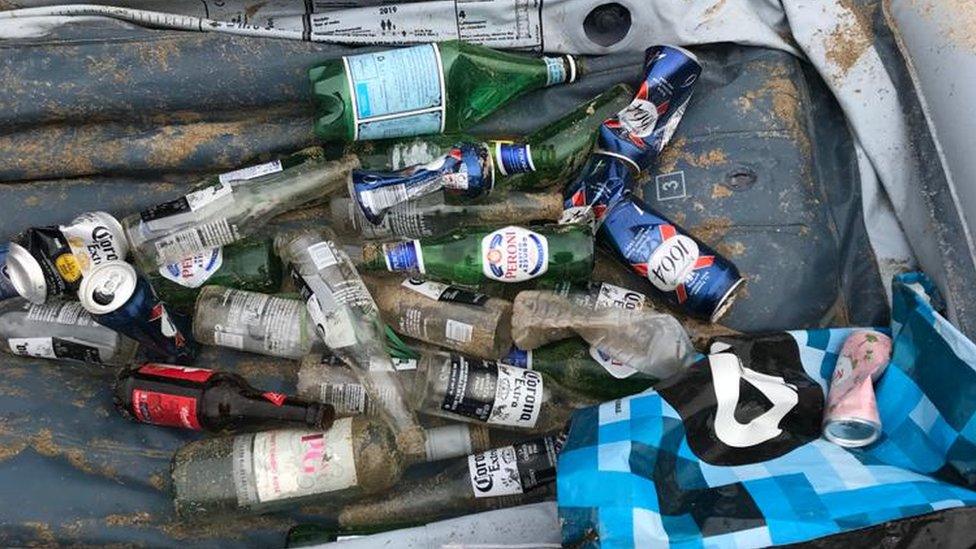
x=397, y=93
x=404, y=256
x=514, y=254
x=193, y=271
x=556, y=70
x=518, y=357
x=513, y=158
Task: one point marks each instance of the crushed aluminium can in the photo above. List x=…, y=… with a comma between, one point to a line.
x=684, y=272
x=603, y=180
x=643, y=128
x=51, y=261
x=119, y=298
x=851, y=418
x=465, y=171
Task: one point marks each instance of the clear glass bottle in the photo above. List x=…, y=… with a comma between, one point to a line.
x=60, y=330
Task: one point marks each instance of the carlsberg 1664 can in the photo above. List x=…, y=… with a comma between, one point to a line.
x=118, y=297
x=50, y=261
x=684, y=271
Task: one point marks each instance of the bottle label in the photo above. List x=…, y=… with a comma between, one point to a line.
x=444, y=292
x=290, y=463
x=322, y=254
x=518, y=358
x=456, y=330
x=346, y=398
x=333, y=322
x=514, y=469
x=512, y=158
x=181, y=211
x=412, y=153
x=396, y=92
x=494, y=393
x=54, y=347
x=610, y=295
x=514, y=254
x=186, y=373
x=190, y=241
x=404, y=256
x=65, y=312
x=193, y=271
x=251, y=172
x=165, y=409
x=673, y=262
x=555, y=70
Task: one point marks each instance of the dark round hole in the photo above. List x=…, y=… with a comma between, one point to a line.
x=607, y=24
x=740, y=178
x=102, y=298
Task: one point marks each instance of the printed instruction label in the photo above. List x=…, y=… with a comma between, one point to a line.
x=66, y=312
x=439, y=291
x=397, y=92
x=251, y=172
x=514, y=254
x=54, y=347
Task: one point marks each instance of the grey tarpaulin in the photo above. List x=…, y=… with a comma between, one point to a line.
x=106, y=115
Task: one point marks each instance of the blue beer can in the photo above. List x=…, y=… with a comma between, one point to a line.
x=603, y=180
x=644, y=127
x=684, y=271
x=119, y=298
x=465, y=171
x=7, y=289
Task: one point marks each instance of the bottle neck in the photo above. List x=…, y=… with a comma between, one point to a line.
x=275, y=407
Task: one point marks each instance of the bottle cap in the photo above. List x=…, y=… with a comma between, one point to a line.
x=26, y=274
x=108, y=287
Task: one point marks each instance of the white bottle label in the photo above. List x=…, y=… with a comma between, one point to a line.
x=334, y=323
x=251, y=172
x=495, y=473
x=193, y=271
x=209, y=195
x=672, y=262
x=294, y=463
x=427, y=288
x=458, y=331
x=514, y=254
x=66, y=312
x=622, y=298
x=518, y=397
x=322, y=255
x=616, y=368
x=40, y=347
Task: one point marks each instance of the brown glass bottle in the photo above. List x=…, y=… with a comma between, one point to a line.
x=201, y=399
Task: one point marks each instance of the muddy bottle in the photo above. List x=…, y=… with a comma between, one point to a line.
x=426, y=89
x=551, y=154
x=286, y=468
x=227, y=212
x=254, y=322
x=454, y=318
x=638, y=337
x=498, y=478
x=62, y=331
x=206, y=400
x=345, y=315
x=433, y=215
x=580, y=368
x=250, y=264
x=475, y=255
x=491, y=393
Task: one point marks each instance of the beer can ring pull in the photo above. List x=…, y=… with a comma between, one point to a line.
x=851, y=419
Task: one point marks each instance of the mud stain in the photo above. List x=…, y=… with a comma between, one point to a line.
x=135, y=519
x=43, y=443
x=720, y=191
x=783, y=96
x=958, y=27
x=44, y=535
x=731, y=249
x=712, y=230
x=849, y=40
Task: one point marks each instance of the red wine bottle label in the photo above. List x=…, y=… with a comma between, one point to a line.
x=165, y=409
x=176, y=372
x=275, y=398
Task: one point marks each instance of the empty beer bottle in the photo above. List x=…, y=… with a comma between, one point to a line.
x=481, y=255
x=201, y=399
x=60, y=330
x=227, y=212
x=454, y=318
x=501, y=477
x=250, y=264
x=578, y=367
x=286, y=468
x=430, y=88
x=433, y=215
x=491, y=393
x=553, y=152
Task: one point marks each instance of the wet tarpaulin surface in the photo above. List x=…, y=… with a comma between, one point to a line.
x=106, y=116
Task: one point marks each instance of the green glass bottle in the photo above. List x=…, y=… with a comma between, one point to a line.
x=249, y=264
x=432, y=88
x=575, y=366
x=475, y=256
x=551, y=154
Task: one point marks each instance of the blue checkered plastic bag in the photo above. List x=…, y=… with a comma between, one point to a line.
x=667, y=467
